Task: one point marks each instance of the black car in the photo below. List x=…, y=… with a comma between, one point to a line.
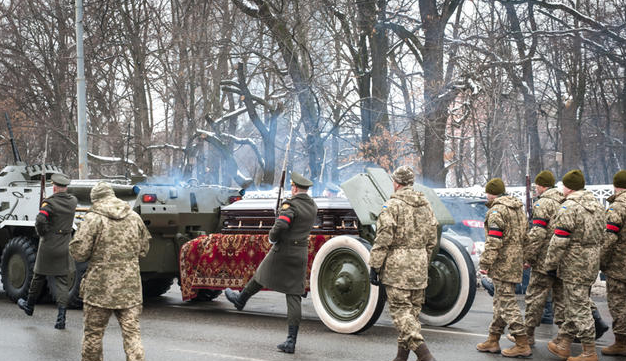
x=469, y=216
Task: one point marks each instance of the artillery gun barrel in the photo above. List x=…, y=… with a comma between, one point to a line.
x=16, y=154
x=82, y=191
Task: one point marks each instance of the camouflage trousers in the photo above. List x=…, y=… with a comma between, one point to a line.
x=578, y=321
x=537, y=294
x=405, y=307
x=95, y=321
x=506, y=311
x=616, y=298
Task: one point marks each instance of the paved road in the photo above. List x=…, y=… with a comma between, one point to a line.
x=176, y=330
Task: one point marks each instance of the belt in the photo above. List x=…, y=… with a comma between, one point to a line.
x=63, y=231
x=298, y=243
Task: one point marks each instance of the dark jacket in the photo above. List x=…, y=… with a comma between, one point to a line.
x=54, y=227
x=284, y=267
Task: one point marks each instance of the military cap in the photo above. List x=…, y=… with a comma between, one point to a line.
x=545, y=178
x=403, y=175
x=574, y=180
x=60, y=179
x=619, y=179
x=495, y=186
x=300, y=181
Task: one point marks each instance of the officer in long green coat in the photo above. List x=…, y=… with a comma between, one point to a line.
x=284, y=267
x=54, y=227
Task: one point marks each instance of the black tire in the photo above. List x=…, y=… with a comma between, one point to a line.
x=74, y=301
x=452, y=285
x=155, y=287
x=207, y=295
x=17, y=264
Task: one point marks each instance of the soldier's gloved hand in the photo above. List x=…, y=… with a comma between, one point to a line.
x=552, y=273
x=374, y=277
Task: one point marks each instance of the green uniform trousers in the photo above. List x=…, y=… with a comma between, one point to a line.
x=294, y=303
x=405, y=307
x=60, y=284
x=506, y=310
x=95, y=321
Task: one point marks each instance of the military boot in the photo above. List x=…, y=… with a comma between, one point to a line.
x=423, y=353
x=289, y=346
x=588, y=354
x=27, y=305
x=601, y=326
x=520, y=349
x=616, y=349
x=238, y=299
x=491, y=345
x=403, y=354
x=530, y=332
x=560, y=347
x=60, y=325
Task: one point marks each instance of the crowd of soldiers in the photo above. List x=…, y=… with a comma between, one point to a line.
x=571, y=238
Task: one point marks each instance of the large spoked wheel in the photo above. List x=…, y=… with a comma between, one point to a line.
x=74, y=301
x=342, y=296
x=451, y=285
x=18, y=263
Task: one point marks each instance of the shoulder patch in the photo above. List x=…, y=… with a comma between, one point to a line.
x=285, y=206
x=384, y=207
x=494, y=212
x=44, y=204
x=563, y=207
x=611, y=210
x=537, y=204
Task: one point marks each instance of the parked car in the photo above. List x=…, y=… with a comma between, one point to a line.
x=469, y=219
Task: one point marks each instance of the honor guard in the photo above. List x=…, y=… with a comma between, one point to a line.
x=54, y=227
x=284, y=267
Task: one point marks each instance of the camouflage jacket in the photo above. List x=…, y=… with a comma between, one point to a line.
x=111, y=238
x=574, y=249
x=505, y=229
x=406, y=233
x=544, y=213
x=613, y=256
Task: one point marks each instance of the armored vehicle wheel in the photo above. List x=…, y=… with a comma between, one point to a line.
x=207, y=295
x=451, y=285
x=73, y=300
x=154, y=287
x=18, y=262
x=342, y=296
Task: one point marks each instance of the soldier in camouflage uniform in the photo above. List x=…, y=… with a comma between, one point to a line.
x=406, y=233
x=111, y=238
x=284, y=267
x=613, y=263
x=54, y=227
x=544, y=211
x=502, y=260
x=573, y=256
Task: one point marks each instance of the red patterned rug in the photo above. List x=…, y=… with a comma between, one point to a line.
x=218, y=261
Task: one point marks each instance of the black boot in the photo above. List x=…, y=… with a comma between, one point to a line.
x=60, y=325
x=601, y=326
x=289, y=346
x=27, y=305
x=238, y=299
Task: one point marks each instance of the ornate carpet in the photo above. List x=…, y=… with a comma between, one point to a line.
x=218, y=261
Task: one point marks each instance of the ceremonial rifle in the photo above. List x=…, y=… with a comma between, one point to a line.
x=42, y=191
x=284, y=172
x=529, y=209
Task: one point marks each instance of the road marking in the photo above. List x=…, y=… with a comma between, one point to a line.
x=221, y=355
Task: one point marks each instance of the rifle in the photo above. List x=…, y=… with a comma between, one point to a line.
x=529, y=208
x=42, y=191
x=284, y=172
x=16, y=154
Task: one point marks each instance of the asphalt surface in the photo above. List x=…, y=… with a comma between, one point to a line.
x=176, y=330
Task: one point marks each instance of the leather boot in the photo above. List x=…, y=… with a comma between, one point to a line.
x=560, y=347
x=530, y=332
x=491, y=345
x=289, y=346
x=616, y=349
x=601, y=326
x=588, y=354
x=60, y=325
x=423, y=353
x=238, y=299
x=520, y=349
x=27, y=305
x=403, y=354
